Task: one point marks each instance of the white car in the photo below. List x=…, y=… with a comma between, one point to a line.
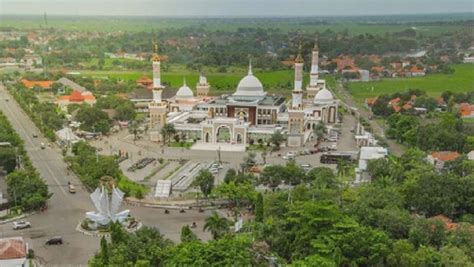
x=21, y=225
x=290, y=155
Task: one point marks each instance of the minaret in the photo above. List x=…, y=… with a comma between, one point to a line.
x=314, y=76
x=296, y=118
x=313, y=86
x=297, y=94
x=299, y=71
x=202, y=87
x=156, y=68
x=157, y=109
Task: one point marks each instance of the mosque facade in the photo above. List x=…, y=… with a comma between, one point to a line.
x=249, y=114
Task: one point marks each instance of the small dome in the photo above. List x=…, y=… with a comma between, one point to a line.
x=250, y=86
x=184, y=93
x=324, y=95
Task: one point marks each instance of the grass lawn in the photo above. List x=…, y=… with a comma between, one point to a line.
x=461, y=81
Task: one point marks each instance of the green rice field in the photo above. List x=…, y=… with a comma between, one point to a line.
x=462, y=80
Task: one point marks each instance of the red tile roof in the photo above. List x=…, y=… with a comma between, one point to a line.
x=12, y=248
x=394, y=101
x=407, y=106
x=448, y=223
x=445, y=155
x=416, y=69
x=466, y=109
x=77, y=96
x=43, y=84
x=378, y=68
x=396, y=108
x=371, y=101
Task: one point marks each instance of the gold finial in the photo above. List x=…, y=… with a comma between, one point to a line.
x=299, y=58
x=316, y=47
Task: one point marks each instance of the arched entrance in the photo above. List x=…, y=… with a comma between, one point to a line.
x=207, y=138
x=223, y=134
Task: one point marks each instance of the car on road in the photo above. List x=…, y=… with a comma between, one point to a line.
x=214, y=170
x=35, y=135
x=306, y=167
x=43, y=146
x=56, y=240
x=72, y=189
x=21, y=225
x=290, y=155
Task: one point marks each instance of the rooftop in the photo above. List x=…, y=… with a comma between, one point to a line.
x=12, y=248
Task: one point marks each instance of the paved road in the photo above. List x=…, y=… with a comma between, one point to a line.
x=394, y=147
x=66, y=210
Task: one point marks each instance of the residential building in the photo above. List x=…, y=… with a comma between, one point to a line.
x=13, y=252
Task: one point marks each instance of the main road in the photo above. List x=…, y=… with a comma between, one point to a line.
x=66, y=210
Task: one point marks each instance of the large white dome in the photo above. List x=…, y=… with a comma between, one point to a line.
x=324, y=95
x=184, y=93
x=249, y=86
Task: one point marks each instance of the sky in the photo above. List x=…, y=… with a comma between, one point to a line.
x=233, y=8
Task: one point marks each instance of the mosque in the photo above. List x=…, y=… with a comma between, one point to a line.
x=249, y=114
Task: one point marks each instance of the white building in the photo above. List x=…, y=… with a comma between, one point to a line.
x=366, y=154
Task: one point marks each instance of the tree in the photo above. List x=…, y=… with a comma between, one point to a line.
x=167, y=131
x=93, y=119
x=205, y=181
x=259, y=208
x=427, y=232
x=276, y=139
x=322, y=178
x=7, y=159
x=218, y=226
x=249, y=161
x=239, y=193
x=230, y=175
x=319, y=131
x=134, y=129
x=187, y=234
x=104, y=252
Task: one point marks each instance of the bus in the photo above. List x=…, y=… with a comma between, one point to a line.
x=335, y=157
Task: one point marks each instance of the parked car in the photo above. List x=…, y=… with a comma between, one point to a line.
x=56, y=240
x=214, y=170
x=21, y=225
x=306, y=167
x=290, y=155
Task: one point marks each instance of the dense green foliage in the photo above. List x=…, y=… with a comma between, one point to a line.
x=392, y=221
x=24, y=186
x=444, y=132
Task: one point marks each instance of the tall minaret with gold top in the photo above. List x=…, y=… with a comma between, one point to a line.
x=313, y=86
x=297, y=94
x=157, y=109
x=296, y=118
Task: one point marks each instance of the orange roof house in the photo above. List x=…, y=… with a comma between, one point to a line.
x=76, y=97
x=42, y=84
x=13, y=251
x=466, y=110
x=370, y=101
x=145, y=82
x=394, y=101
x=438, y=158
x=448, y=223
x=407, y=106
x=378, y=69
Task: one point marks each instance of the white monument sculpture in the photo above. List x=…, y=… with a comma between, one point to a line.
x=107, y=205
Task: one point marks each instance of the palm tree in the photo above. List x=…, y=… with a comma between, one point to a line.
x=218, y=226
x=167, y=131
x=319, y=131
